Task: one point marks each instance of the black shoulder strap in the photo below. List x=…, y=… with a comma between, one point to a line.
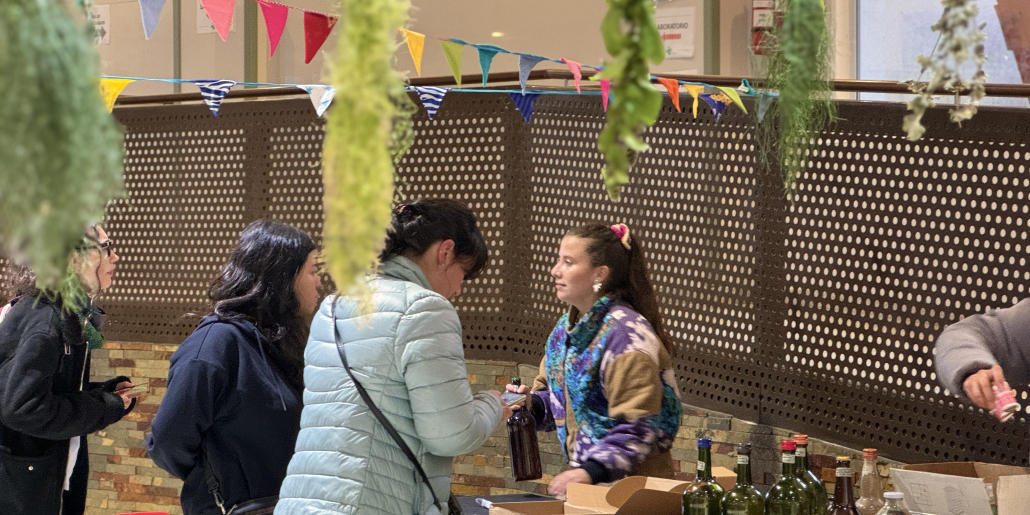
x=379, y=414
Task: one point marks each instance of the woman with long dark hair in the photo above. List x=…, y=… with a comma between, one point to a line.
x=606, y=382
x=404, y=347
x=47, y=404
x=229, y=419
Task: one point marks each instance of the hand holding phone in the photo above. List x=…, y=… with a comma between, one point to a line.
x=133, y=390
x=512, y=398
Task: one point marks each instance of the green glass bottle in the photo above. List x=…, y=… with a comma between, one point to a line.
x=815, y=487
x=743, y=498
x=704, y=497
x=787, y=496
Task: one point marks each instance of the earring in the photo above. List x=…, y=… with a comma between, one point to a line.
x=597, y=286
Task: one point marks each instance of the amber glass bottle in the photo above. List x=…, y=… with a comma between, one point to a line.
x=525, y=452
x=844, y=490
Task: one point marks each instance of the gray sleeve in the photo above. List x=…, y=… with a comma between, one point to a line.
x=999, y=337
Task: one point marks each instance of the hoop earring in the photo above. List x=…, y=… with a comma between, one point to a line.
x=597, y=286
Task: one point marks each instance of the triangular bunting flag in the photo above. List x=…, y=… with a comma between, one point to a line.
x=524, y=102
x=526, y=64
x=694, y=90
x=220, y=13
x=150, y=10
x=606, y=85
x=576, y=70
x=317, y=27
x=416, y=43
x=673, y=87
x=764, y=101
x=732, y=94
x=486, y=55
x=214, y=91
x=453, y=50
x=275, y=21
x=745, y=88
x=321, y=96
x=717, y=105
x=431, y=97
x=111, y=88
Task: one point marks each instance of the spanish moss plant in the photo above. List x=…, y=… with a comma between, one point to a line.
x=60, y=150
x=358, y=166
x=632, y=38
x=960, y=38
x=799, y=69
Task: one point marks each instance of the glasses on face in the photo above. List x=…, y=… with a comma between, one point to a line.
x=106, y=248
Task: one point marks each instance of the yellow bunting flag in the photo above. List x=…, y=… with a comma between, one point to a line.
x=734, y=96
x=695, y=91
x=453, y=53
x=416, y=42
x=111, y=88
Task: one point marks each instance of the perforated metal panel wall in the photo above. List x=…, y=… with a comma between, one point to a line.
x=818, y=316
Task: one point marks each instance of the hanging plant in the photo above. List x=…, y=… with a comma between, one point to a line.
x=358, y=166
x=799, y=70
x=960, y=38
x=632, y=38
x=60, y=150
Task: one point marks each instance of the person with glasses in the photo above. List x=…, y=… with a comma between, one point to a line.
x=229, y=418
x=47, y=403
x=403, y=344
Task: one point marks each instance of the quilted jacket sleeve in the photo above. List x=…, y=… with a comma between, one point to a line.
x=449, y=420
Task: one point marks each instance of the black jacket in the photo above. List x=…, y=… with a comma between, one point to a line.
x=228, y=411
x=45, y=400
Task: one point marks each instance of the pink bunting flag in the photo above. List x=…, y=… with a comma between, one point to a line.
x=220, y=13
x=673, y=87
x=576, y=70
x=275, y=21
x=606, y=85
x=317, y=27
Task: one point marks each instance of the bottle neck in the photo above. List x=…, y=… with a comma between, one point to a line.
x=743, y=470
x=788, y=461
x=801, y=459
x=843, y=491
x=704, y=463
x=870, y=480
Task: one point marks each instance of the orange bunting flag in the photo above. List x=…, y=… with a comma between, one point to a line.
x=275, y=21
x=111, y=88
x=695, y=91
x=317, y=27
x=220, y=13
x=416, y=43
x=576, y=69
x=673, y=86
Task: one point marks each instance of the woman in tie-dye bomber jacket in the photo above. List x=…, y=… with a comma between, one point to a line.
x=607, y=363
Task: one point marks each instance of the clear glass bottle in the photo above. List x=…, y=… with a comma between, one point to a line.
x=525, y=452
x=870, y=489
x=787, y=496
x=844, y=489
x=704, y=497
x=743, y=498
x=813, y=484
x=894, y=504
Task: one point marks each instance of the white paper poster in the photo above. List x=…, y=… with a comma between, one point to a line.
x=204, y=25
x=100, y=15
x=677, y=28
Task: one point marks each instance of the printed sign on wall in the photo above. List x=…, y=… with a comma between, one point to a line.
x=100, y=15
x=677, y=27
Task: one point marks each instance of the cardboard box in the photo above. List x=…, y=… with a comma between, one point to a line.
x=634, y=495
x=957, y=488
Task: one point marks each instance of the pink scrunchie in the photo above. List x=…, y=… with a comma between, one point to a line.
x=622, y=232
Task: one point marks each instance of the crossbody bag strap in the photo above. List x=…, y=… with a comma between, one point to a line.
x=379, y=414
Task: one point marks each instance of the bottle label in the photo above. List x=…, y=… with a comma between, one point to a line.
x=743, y=460
x=801, y=452
x=788, y=458
x=843, y=472
x=700, y=466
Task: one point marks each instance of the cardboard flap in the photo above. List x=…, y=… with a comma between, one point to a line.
x=725, y=477
x=589, y=497
x=528, y=508
x=995, y=470
x=620, y=492
x=1013, y=494
x=955, y=468
x=652, y=502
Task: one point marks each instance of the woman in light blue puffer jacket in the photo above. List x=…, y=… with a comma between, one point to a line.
x=407, y=353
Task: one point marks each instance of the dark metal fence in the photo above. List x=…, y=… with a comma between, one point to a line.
x=818, y=316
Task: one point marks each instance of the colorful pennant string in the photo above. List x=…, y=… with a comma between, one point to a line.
x=416, y=43
x=111, y=88
x=486, y=55
x=524, y=102
x=321, y=96
x=695, y=91
x=150, y=12
x=526, y=64
x=673, y=87
x=733, y=96
x=275, y=21
x=317, y=27
x=431, y=97
x=577, y=71
x=220, y=12
x=452, y=50
x=213, y=92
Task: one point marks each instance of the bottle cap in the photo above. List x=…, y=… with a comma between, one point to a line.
x=744, y=448
x=869, y=453
x=788, y=445
x=516, y=380
x=801, y=439
x=893, y=495
x=704, y=443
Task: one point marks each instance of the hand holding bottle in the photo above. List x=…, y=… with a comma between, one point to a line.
x=520, y=389
x=978, y=386
x=507, y=409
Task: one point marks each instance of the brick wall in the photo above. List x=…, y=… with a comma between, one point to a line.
x=123, y=479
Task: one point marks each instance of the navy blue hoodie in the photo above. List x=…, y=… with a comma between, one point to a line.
x=229, y=409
